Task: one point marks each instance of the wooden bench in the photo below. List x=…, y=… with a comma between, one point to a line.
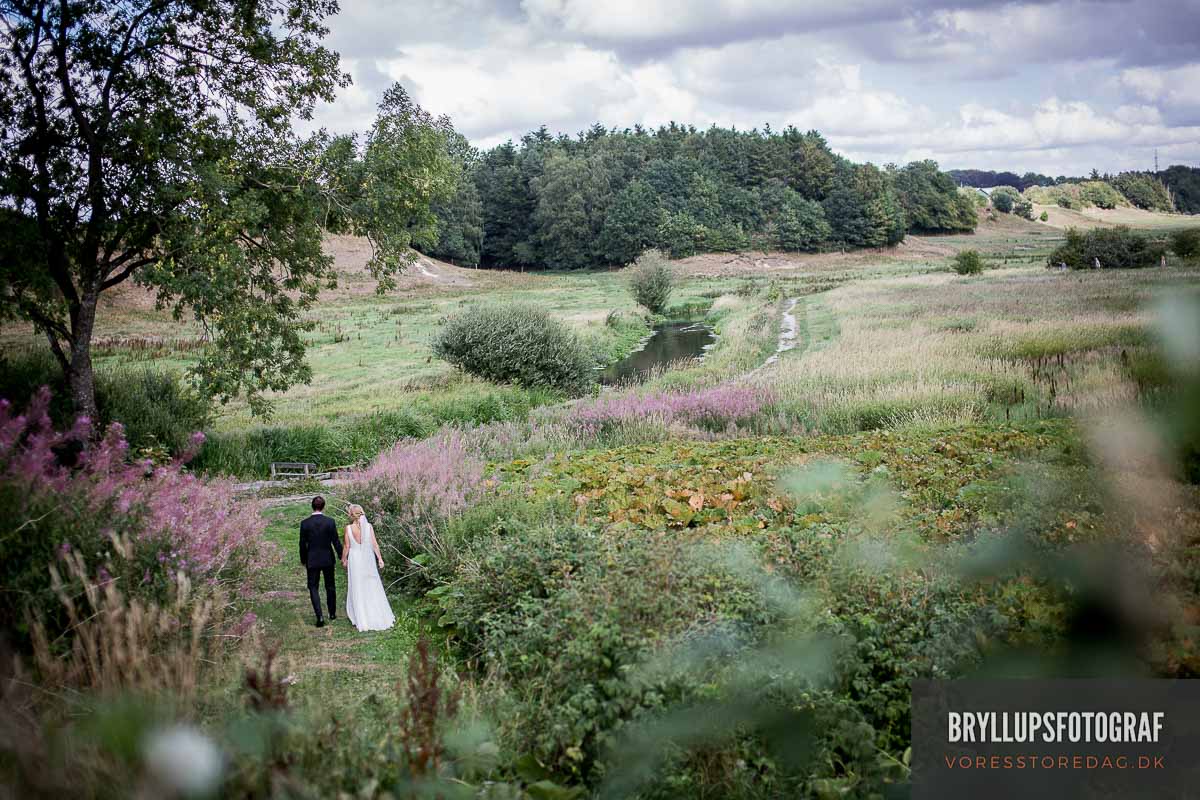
x=285, y=470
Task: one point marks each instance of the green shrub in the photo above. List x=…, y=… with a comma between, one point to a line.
x=651, y=281
x=801, y=226
x=1100, y=194
x=1023, y=208
x=158, y=410
x=1044, y=216
x=968, y=262
x=1144, y=190
x=893, y=641
x=249, y=453
x=541, y=610
x=725, y=238
x=1004, y=198
x=517, y=344
x=1114, y=248
x=680, y=235
x=1185, y=243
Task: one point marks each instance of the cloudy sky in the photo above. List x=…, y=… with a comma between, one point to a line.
x=1057, y=87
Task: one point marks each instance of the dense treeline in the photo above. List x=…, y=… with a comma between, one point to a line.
x=607, y=195
x=1177, y=188
x=986, y=178
x=1184, y=185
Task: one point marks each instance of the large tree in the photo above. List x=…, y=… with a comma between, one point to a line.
x=631, y=224
x=931, y=200
x=389, y=191
x=573, y=195
x=151, y=141
x=460, y=218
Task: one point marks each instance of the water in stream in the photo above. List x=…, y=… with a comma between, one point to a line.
x=670, y=341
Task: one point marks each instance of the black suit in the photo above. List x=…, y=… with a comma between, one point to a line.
x=318, y=541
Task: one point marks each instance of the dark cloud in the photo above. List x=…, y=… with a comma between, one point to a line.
x=971, y=79
x=365, y=29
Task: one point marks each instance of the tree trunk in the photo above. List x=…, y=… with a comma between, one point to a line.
x=80, y=375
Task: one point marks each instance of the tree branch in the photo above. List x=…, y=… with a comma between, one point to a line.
x=95, y=191
x=41, y=198
x=122, y=57
x=124, y=274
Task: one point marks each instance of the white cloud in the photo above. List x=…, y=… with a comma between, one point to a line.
x=674, y=23
x=1176, y=90
x=1055, y=137
x=951, y=81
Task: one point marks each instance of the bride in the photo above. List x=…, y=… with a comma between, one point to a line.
x=366, y=602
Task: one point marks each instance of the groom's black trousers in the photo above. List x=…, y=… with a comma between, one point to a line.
x=314, y=582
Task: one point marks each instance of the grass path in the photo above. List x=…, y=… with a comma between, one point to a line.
x=335, y=665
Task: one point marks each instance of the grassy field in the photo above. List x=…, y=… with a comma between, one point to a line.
x=1014, y=343
x=887, y=337
x=663, y=590
x=335, y=661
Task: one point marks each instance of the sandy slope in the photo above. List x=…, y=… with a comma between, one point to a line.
x=1099, y=217
x=913, y=248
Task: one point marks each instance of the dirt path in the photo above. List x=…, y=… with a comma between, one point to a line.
x=787, y=331
x=335, y=664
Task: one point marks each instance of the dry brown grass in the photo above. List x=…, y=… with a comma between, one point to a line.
x=119, y=644
x=1059, y=217
x=945, y=349
x=914, y=250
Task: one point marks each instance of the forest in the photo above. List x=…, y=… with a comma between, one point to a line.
x=604, y=196
x=1176, y=188
x=717, y=575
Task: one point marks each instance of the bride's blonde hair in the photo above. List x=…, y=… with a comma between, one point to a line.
x=355, y=511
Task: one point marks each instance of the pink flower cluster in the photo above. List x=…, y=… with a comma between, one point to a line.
x=90, y=490
x=428, y=479
x=715, y=409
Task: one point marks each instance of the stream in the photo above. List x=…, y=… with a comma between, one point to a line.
x=670, y=341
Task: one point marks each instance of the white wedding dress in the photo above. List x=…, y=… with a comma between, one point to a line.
x=366, y=603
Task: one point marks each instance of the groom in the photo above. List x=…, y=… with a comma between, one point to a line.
x=318, y=540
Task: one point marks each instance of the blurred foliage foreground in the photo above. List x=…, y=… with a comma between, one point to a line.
x=734, y=618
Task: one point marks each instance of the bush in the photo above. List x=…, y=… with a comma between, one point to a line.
x=1114, y=248
x=801, y=226
x=725, y=238
x=1004, y=198
x=158, y=411
x=68, y=495
x=1023, y=208
x=517, y=344
x=1100, y=194
x=968, y=262
x=680, y=235
x=539, y=611
x=410, y=491
x=1186, y=243
x=1144, y=190
x=156, y=408
x=1044, y=216
x=651, y=281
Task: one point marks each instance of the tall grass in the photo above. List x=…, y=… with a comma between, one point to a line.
x=116, y=643
x=354, y=440
x=158, y=411
x=939, y=349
